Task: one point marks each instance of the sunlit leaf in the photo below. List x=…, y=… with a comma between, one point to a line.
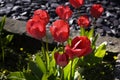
x=67, y=69
x=16, y=76
x=101, y=50
x=90, y=33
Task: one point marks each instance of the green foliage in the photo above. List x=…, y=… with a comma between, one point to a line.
x=2, y=23
x=37, y=68
x=4, y=39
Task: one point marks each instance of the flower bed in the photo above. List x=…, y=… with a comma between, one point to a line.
x=74, y=59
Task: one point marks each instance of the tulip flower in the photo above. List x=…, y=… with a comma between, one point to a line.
x=36, y=29
x=64, y=12
x=76, y=3
x=80, y=46
x=96, y=10
x=41, y=15
x=61, y=59
x=60, y=30
x=83, y=21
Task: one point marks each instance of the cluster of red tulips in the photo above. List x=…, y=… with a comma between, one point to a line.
x=60, y=29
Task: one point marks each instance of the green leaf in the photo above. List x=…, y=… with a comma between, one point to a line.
x=35, y=70
x=67, y=69
x=101, y=50
x=75, y=61
x=9, y=38
x=2, y=23
x=29, y=76
x=16, y=76
x=40, y=63
x=21, y=76
x=45, y=77
x=52, y=63
x=90, y=33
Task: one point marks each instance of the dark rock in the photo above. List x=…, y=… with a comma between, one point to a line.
x=115, y=22
x=23, y=18
x=99, y=20
x=17, y=9
x=43, y=7
x=18, y=2
x=26, y=1
x=28, y=9
x=33, y=4
x=25, y=5
x=105, y=2
x=53, y=1
x=9, y=6
x=54, y=5
x=71, y=21
x=9, y=1
x=3, y=11
x=103, y=33
x=113, y=31
x=23, y=14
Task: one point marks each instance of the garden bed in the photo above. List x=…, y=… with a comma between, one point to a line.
x=22, y=47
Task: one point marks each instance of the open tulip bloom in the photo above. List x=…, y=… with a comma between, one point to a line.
x=63, y=62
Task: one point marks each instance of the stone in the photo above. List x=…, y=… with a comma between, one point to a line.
x=16, y=8
x=26, y=1
x=54, y=5
x=15, y=26
x=115, y=22
x=18, y=2
x=3, y=11
x=9, y=6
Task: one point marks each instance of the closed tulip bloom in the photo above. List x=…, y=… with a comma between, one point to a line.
x=36, y=29
x=64, y=12
x=83, y=21
x=80, y=46
x=96, y=10
x=61, y=59
x=76, y=3
x=60, y=30
x=41, y=15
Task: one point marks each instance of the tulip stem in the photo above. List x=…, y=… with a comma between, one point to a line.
x=62, y=73
x=71, y=70
x=63, y=47
x=2, y=47
x=45, y=56
x=46, y=53
x=46, y=43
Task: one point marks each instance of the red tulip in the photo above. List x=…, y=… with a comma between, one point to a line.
x=36, y=29
x=64, y=12
x=80, y=46
x=60, y=30
x=83, y=21
x=61, y=59
x=76, y=3
x=96, y=10
x=41, y=15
